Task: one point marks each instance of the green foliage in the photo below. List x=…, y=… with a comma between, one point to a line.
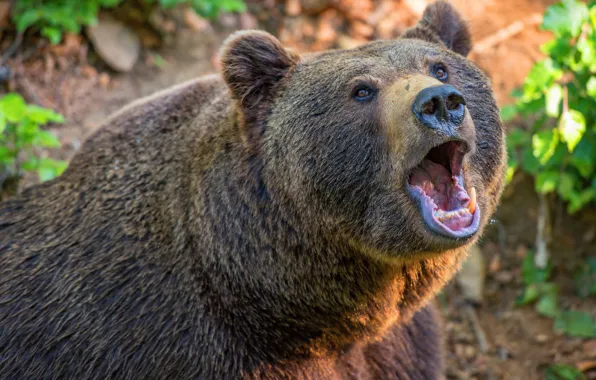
x=55, y=17
x=559, y=150
x=545, y=295
x=563, y=372
x=207, y=8
x=20, y=134
x=586, y=278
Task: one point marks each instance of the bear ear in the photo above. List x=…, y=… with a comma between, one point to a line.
x=442, y=23
x=253, y=62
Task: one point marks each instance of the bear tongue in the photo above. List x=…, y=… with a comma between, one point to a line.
x=435, y=180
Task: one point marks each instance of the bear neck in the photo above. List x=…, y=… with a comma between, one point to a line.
x=288, y=290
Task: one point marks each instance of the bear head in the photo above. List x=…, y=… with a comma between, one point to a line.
x=396, y=147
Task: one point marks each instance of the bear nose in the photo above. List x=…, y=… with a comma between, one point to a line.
x=439, y=107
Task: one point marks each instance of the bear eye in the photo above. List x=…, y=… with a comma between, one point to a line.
x=363, y=93
x=440, y=72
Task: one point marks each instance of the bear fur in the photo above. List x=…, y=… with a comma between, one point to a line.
x=252, y=225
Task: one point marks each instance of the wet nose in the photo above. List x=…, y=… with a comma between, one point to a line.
x=439, y=107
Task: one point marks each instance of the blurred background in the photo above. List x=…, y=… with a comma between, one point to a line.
x=524, y=305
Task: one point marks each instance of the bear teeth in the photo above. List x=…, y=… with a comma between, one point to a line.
x=442, y=216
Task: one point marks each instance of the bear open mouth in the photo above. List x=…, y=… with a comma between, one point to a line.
x=437, y=184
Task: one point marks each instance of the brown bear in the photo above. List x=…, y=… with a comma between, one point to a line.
x=289, y=219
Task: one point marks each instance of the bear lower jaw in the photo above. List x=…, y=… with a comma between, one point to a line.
x=437, y=186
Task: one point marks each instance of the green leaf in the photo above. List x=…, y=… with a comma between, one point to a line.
x=27, y=19
x=13, y=107
x=544, y=144
x=587, y=50
x=232, y=6
x=508, y=112
x=529, y=163
x=566, y=185
x=576, y=323
x=31, y=164
x=583, y=158
x=573, y=127
x=2, y=123
x=49, y=169
x=553, y=100
x=518, y=138
x=539, y=79
x=546, y=182
x=563, y=372
x=510, y=173
x=547, y=305
x=47, y=139
x=530, y=294
x=42, y=115
x=579, y=200
x=565, y=18
x=6, y=155
x=591, y=86
x=558, y=49
x=531, y=274
x=52, y=34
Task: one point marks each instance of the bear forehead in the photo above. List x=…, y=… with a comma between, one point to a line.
x=399, y=54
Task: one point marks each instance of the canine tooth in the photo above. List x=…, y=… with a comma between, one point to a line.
x=472, y=204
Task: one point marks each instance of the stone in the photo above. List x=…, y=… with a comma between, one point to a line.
x=472, y=275
x=115, y=43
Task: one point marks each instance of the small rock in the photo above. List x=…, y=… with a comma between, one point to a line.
x=248, y=21
x=149, y=39
x=4, y=74
x=362, y=29
x=471, y=276
x=314, y=6
x=541, y=338
x=88, y=71
x=570, y=345
x=307, y=27
x=104, y=80
x=504, y=277
x=228, y=20
x=345, y=42
x=326, y=32
x=386, y=28
x=589, y=348
x=459, y=350
x=521, y=251
x=503, y=353
x=293, y=7
x=115, y=43
x=169, y=26
x=194, y=21
x=470, y=352
x=495, y=264
x=384, y=9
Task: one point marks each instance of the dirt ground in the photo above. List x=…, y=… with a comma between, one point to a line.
x=520, y=343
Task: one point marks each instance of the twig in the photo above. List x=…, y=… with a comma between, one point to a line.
x=506, y=33
x=30, y=93
x=543, y=234
x=478, y=331
x=12, y=48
